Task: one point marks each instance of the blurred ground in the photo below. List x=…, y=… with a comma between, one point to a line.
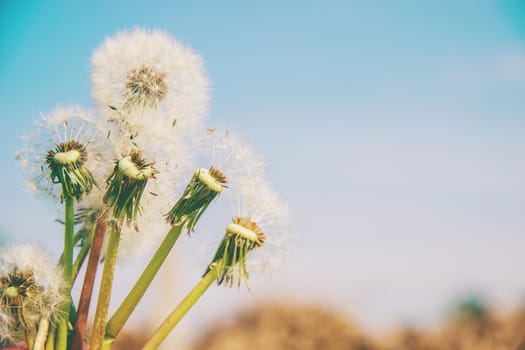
x=285, y=326
x=280, y=326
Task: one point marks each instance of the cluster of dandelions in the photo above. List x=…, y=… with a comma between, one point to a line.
x=132, y=176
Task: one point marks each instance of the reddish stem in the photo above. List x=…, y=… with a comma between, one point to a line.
x=87, y=288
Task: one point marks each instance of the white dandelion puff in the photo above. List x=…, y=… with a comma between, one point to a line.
x=256, y=238
x=226, y=150
x=226, y=162
x=30, y=287
x=147, y=79
x=66, y=152
x=150, y=171
x=151, y=229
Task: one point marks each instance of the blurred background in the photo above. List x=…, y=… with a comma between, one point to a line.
x=395, y=130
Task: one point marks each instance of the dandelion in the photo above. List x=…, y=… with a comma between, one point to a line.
x=260, y=217
x=144, y=78
x=30, y=288
x=231, y=161
x=126, y=185
x=67, y=148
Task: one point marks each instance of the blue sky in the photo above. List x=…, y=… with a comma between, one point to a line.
x=394, y=129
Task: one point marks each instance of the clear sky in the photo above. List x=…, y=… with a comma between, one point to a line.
x=394, y=129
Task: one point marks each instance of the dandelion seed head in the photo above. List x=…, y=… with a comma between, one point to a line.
x=225, y=150
x=66, y=147
x=256, y=238
x=144, y=88
x=30, y=286
x=145, y=78
x=229, y=162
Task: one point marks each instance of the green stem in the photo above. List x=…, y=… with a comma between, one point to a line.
x=41, y=335
x=82, y=254
x=123, y=313
x=50, y=343
x=178, y=313
x=68, y=268
x=76, y=238
x=104, y=296
x=30, y=338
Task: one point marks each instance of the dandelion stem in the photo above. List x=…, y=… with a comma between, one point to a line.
x=76, y=238
x=123, y=313
x=82, y=254
x=79, y=332
x=30, y=338
x=178, y=313
x=104, y=296
x=41, y=335
x=50, y=343
x=68, y=268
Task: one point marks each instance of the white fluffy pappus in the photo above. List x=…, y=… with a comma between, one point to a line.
x=151, y=226
x=6, y=322
x=223, y=161
x=258, y=201
x=172, y=159
x=256, y=237
x=147, y=79
x=172, y=162
x=63, y=125
x=38, y=283
x=225, y=150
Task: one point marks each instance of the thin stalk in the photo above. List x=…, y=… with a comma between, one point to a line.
x=68, y=268
x=30, y=338
x=50, y=343
x=104, y=296
x=129, y=304
x=82, y=254
x=41, y=335
x=178, y=313
x=76, y=238
x=87, y=288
